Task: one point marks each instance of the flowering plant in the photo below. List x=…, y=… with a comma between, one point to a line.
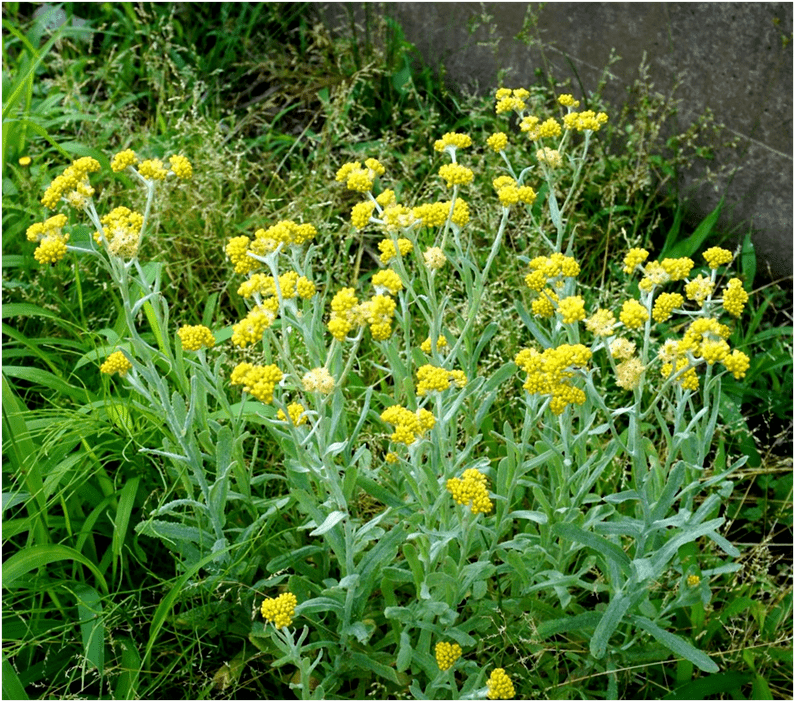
x=415, y=524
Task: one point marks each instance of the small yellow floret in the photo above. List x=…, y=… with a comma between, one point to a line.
x=116, y=363
x=500, y=685
x=196, y=337
x=280, y=610
x=716, y=257
x=633, y=314
x=447, y=654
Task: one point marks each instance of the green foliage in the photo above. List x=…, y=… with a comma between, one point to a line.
x=143, y=526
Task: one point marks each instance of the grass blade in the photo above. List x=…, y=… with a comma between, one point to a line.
x=38, y=556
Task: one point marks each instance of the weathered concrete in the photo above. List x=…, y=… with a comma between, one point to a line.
x=737, y=57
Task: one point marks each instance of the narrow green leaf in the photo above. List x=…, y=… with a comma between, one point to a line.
x=602, y=546
x=26, y=309
x=709, y=686
x=404, y=652
x=164, y=608
x=578, y=622
x=609, y=623
x=693, y=243
x=35, y=557
x=360, y=660
x=12, y=687
x=92, y=626
x=748, y=263
x=329, y=523
x=678, y=645
x=122, y=521
x=127, y=682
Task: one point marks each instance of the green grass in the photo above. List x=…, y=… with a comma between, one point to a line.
x=268, y=106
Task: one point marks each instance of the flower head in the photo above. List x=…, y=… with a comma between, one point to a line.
x=500, y=685
x=295, y=410
x=716, y=257
x=447, y=654
x=456, y=174
x=196, y=337
x=318, y=380
x=259, y=381
x=498, y=141
x=116, y=363
x=452, y=141
x=280, y=610
x=121, y=232
x=734, y=297
x=471, y=490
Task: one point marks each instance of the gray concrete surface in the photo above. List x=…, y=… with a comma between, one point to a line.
x=737, y=58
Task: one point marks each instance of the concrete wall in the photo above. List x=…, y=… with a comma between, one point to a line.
x=737, y=58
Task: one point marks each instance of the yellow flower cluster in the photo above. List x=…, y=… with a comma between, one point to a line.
x=704, y=340
x=471, y=490
x=285, y=233
x=665, y=304
x=296, y=411
x=456, y=174
x=734, y=297
x=280, y=610
x=572, y=309
x=508, y=100
x=628, y=373
x=567, y=100
x=548, y=373
x=654, y=274
x=511, y=193
x=250, y=329
x=585, y=121
x=699, y=289
x=622, y=348
x=318, y=380
x=290, y=286
x=447, y=654
x=361, y=213
x=498, y=141
x=549, y=270
x=387, y=281
x=500, y=685
x=434, y=258
x=345, y=313
x=435, y=214
x=52, y=240
x=360, y=179
x=72, y=185
x=549, y=156
x=116, y=363
x=601, y=323
x=408, y=425
x=122, y=160
x=195, y=337
x=153, y=168
x=259, y=381
x=717, y=257
x=387, y=249
x=677, y=268
x=378, y=313
x=693, y=580
x=121, y=228
x=441, y=342
x=430, y=378
x=633, y=259
x=633, y=314
x=452, y=140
